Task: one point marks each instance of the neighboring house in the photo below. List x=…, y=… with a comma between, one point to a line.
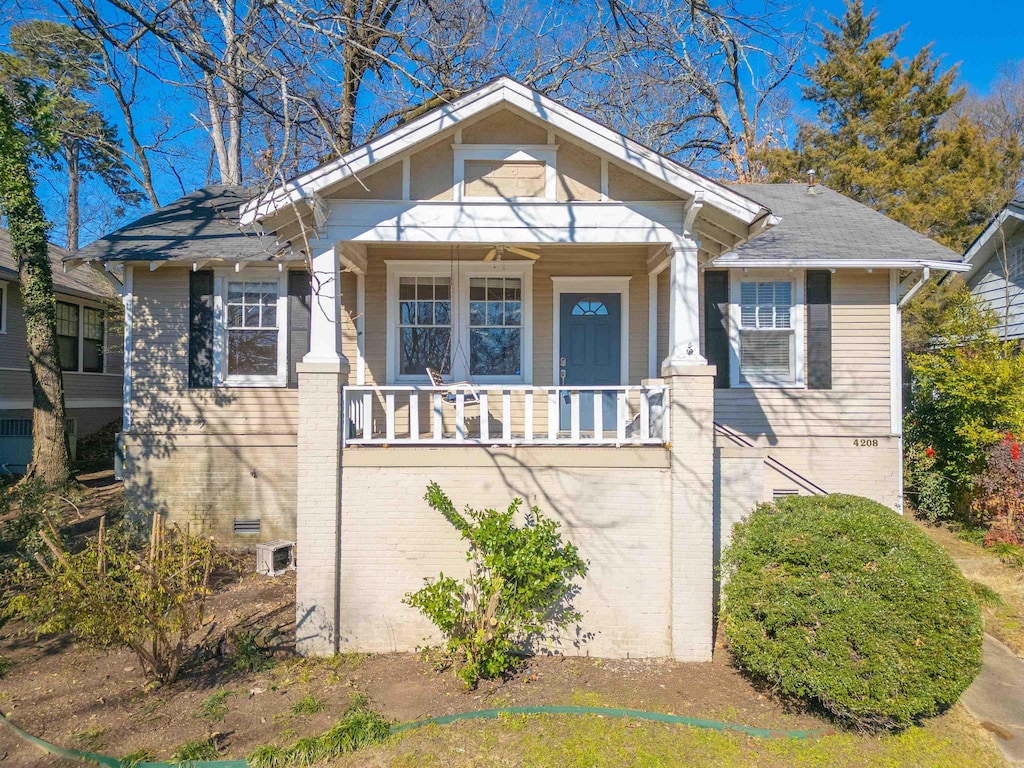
x=89, y=338
x=997, y=268
x=581, y=284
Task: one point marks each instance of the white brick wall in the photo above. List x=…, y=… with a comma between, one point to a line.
x=618, y=517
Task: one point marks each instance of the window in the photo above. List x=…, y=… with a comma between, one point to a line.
x=425, y=324
x=1015, y=265
x=252, y=328
x=495, y=326
x=468, y=320
x=768, y=325
x=589, y=306
x=67, y=335
x=3, y=307
x=92, y=340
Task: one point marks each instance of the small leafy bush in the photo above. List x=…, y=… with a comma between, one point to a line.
x=999, y=493
x=520, y=587
x=358, y=727
x=123, y=591
x=250, y=655
x=840, y=601
x=199, y=749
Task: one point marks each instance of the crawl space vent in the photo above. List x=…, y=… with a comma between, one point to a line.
x=781, y=493
x=247, y=526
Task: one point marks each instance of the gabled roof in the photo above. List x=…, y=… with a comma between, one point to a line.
x=506, y=91
x=80, y=281
x=200, y=225
x=829, y=229
x=1009, y=221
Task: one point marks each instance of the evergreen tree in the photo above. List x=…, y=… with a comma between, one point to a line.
x=65, y=61
x=26, y=130
x=879, y=137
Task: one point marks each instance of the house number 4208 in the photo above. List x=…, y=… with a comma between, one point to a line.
x=865, y=443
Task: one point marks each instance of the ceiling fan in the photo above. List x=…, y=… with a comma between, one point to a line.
x=499, y=250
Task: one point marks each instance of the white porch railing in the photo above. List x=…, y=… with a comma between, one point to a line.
x=506, y=415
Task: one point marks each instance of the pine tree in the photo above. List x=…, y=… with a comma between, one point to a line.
x=880, y=136
x=66, y=61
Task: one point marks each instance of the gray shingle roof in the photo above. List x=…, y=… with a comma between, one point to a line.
x=200, y=225
x=80, y=281
x=827, y=226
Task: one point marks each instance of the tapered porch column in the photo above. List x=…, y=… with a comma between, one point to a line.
x=322, y=374
x=684, y=308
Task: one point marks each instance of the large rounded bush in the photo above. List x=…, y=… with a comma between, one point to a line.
x=839, y=600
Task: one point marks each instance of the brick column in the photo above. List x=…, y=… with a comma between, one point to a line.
x=318, y=513
x=691, y=448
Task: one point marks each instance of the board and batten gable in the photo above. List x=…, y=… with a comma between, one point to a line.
x=1003, y=295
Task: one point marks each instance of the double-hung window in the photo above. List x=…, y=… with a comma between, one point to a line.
x=768, y=325
x=3, y=307
x=80, y=337
x=1015, y=265
x=252, y=350
x=466, y=320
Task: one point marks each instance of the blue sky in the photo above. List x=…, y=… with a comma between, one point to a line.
x=980, y=34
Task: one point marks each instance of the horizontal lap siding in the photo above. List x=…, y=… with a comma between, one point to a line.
x=589, y=261
x=990, y=285
x=162, y=402
x=859, y=401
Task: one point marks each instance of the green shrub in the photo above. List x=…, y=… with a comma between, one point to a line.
x=520, y=587
x=250, y=654
x=840, y=601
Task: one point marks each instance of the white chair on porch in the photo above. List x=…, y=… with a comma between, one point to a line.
x=450, y=395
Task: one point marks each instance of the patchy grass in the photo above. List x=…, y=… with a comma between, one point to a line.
x=308, y=706
x=90, y=738
x=200, y=749
x=215, y=706
x=998, y=585
x=594, y=742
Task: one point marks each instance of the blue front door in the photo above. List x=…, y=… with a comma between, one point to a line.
x=590, y=353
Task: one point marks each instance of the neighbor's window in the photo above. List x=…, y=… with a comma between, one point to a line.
x=424, y=324
x=67, y=335
x=767, y=339
x=92, y=340
x=252, y=328
x=3, y=308
x=1015, y=265
x=495, y=326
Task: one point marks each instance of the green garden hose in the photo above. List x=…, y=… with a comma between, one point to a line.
x=481, y=714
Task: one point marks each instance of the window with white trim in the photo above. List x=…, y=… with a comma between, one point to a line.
x=81, y=334
x=468, y=320
x=67, y=335
x=1015, y=265
x=424, y=324
x=252, y=334
x=767, y=327
x=3, y=307
x=92, y=340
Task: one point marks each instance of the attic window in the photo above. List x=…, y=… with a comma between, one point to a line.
x=1015, y=265
x=496, y=172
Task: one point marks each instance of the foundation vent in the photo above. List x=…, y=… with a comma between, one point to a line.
x=247, y=526
x=275, y=557
x=781, y=493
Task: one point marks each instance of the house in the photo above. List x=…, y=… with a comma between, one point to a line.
x=646, y=353
x=89, y=338
x=996, y=273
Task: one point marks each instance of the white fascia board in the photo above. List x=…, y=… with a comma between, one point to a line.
x=506, y=90
x=949, y=266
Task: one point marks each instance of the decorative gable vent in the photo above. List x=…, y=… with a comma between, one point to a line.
x=247, y=526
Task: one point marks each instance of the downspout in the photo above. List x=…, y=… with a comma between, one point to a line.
x=896, y=361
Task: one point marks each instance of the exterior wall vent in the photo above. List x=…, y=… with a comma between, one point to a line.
x=781, y=493
x=275, y=557
x=247, y=526
x=15, y=427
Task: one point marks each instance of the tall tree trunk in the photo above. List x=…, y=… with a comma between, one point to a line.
x=28, y=229
x=71, y=159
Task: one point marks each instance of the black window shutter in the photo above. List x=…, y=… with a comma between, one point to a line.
x=819, y=329
x=716, y=324
x=299, y=295
x=200, y=328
